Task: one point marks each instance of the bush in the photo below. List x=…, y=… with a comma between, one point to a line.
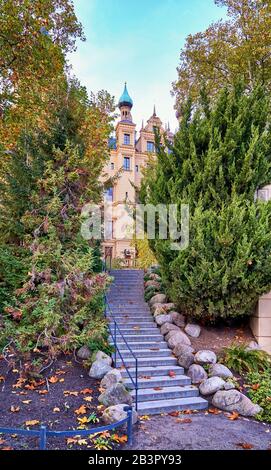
x=13, y=268
x=242, y=360
x=260, y=392
x=219, y=158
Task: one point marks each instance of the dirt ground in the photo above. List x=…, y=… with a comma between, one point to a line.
x=201, y=431
x=218, y=337
x=54, y=402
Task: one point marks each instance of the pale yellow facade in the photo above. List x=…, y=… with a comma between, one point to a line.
x=130, y=153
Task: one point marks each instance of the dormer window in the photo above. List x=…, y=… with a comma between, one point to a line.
x=150, y=146
x=127, y=139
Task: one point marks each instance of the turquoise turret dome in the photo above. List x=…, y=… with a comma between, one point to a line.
x=125, y=99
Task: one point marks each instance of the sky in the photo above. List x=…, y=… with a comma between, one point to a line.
x=138, y=42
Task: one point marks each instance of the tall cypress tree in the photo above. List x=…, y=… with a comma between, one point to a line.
x=219, y=158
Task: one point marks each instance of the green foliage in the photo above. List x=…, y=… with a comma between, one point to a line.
x=13, y=268
x=150, y=293
x=219, y=158
x=242, y=360
x=260, y=392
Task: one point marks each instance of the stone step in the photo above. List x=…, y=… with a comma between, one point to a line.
x=135, y=346
x=168, y=405
x=130, y=338
x=148, y=361
x=159, y=381
x=121, y=318
x=146, y=352
x=179, y=391
x=131, y=325
x=152, y=371
x=138, y=331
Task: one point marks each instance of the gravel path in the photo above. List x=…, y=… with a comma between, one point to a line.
x=204, y=432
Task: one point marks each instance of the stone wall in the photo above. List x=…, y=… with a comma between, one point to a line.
x=261, y=322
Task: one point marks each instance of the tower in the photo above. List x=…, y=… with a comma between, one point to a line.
x=125, y=105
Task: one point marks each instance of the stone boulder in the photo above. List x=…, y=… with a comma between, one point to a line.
x=83, y=353
x=176, y=338
x=158, y=299
x=186, y=359
x=167, y=327
x=160, y=309
x=155, y=277
x=101, y=356
x=229, y=385
x=219, y=370
x=197, y=374
x=252, y=346
x=178, y=319
x=115, y=413
x=205, y=357
x=99, y=369
x=193, y=330
x=115, y=395
x=232, y=400
x=182, y=348
x=161, y=319
x=154, y=284
x=211, y=385
x=111, y=378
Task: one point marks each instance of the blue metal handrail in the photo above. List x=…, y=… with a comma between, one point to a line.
x=43, y=433
x=113, y=333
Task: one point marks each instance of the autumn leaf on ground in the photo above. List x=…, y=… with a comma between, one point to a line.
x=2, y=378
x=61, y=380
x=158, y=388
x=233, y=416
x=184, y=420
x=144, y=418
x=56, y=410
x=42, y=392
x=255, y=386
x=69, y=393
x=14, y=409
x=19, y=383
x=53, y=379
x=174, y=414
x=81, y=411
x=83, y=420
x=33, y=422
x=60, y=372
x=119, y=439
x=245, y=445
x=7, y=448
x=82, y=442
x=2, y=441
x=85, y=391
x=26, y=402
x=214, y=411
x=172, y=374
x=71, y=440
x=88, y=399
x=188, y=412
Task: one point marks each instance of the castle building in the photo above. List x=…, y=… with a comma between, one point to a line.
x=128, y=155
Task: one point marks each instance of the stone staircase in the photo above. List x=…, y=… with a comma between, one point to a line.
x=162, y=385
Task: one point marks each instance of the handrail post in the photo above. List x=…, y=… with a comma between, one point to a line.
x=43, y=438
x=129, y=410
x=115, y=343
x=136, y=381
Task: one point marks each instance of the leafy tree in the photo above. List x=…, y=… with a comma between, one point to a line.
x=220, y=157
x=237, y=48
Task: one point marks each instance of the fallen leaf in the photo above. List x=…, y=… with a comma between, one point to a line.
x=33, y=422
x=53, y=379
x=26, y=402
x=42, y=392
x=255, y=386
x=61, y=380
x=119, y=439
x=2, y=441
x=172, y=374
x=60, y=372
x=214, y=411
x=14, y=409
x=69, y=393
x=245, y=445
x=2, y=378
x=85, y=391
x=158, y=388
x=144, y=418
x=81, y=411
x=184, y=420
x=83, y=420
x=187, y=412
x=82, y=442
x=88, y=399
x=174, y=414
x=7, y=448
x=56, y=410
x=233, y=416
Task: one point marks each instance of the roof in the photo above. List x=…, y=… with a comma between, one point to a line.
x=125, y=99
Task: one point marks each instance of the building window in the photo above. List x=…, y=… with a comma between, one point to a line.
x=150, y=146
x=112, y=166
x=109, y=194
x=137, y=168
x=127, y=139
x=126, y=163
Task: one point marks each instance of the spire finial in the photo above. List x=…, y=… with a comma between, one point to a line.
x=154, y=110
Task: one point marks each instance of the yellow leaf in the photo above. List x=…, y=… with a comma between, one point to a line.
x=83, y=420
x=81, y=411
x=82, y=442
x=89, y=399
x=26, y=402
x=56, y=410
x=144, y=418
x=53, y=379
x=14, y=409
x=32, y=422
x=69, y=393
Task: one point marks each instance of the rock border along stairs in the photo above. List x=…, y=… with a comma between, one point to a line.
x=158, y=392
